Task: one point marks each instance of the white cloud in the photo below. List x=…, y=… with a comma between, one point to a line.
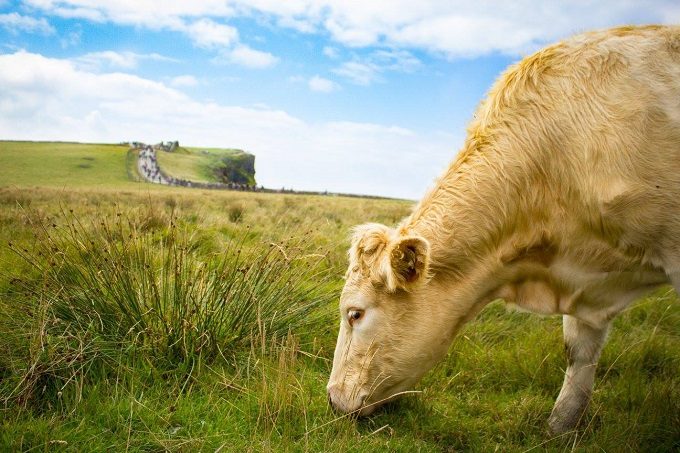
x=455, y=28
x=395, y=60
x=358, y=72
x=52, y=99
x=331, y=52
x=194, y=19
x=110, y=58
x=469, y=36
x=147, y=13
x=351, y=35
x=368, y=69
x=71, y=38
x=207, y=33
x=322, y=85
x=466, y=29
x=184, y=81
x=245, y=56
x=15, y=23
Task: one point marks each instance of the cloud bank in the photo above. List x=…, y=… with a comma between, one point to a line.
x=15, y=23
x=448, y=28
x=57, y=99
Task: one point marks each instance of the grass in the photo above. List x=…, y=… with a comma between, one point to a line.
x=117, y=277
x=201, y=164
x=192, y=167
x=175, y=369
x=63, y=165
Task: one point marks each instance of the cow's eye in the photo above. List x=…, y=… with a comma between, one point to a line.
x=354, y=315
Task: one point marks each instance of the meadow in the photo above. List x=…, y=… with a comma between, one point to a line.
x=135, y=317
x=203, y=164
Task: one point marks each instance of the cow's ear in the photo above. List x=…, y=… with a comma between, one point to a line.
x=409, y=263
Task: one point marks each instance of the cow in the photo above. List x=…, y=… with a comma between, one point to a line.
x=564, y=200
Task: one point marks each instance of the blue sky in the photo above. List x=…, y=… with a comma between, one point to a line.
x=362, y=97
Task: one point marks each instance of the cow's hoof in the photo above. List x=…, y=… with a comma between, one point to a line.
x=557, y=427
x=567, y=414
x=562, y=422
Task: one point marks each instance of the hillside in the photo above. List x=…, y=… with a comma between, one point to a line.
x=66, y=164
x=60, y=164
x=209, y=165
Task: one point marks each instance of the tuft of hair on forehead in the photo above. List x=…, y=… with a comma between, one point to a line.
x=384, y=256
x=368, y=242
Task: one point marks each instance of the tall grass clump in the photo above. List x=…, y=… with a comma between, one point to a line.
x=235, y=212
x=107, y=290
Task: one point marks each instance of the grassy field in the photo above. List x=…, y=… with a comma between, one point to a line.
x=115, y=334
x=198, y=164
x=65, y=165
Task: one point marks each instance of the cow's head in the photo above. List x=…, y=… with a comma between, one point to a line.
x=388, y=337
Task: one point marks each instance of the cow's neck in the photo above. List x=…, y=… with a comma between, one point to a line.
x=470, y=220
x=472, y=210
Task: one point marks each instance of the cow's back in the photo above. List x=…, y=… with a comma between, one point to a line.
x=594, y=122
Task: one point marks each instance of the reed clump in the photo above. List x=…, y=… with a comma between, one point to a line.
x=110, y=290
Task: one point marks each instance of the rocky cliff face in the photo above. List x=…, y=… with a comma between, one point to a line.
x=238, y=168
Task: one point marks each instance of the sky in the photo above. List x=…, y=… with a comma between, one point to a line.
x=368, y=97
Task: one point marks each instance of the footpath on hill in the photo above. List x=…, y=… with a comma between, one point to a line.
x=149, y=169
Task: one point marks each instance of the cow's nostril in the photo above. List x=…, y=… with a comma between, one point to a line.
x=333, y=398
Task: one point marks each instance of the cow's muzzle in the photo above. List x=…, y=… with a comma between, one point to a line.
x=340, y=403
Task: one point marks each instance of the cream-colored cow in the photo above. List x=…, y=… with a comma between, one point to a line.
x=565, y=199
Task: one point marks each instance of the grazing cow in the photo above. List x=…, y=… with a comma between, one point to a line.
x=565, y=199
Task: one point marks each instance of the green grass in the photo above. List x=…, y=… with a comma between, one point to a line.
x=145, y=377
x=200, y=164
x=192, y=167
x=63, y=165
x=216, y=151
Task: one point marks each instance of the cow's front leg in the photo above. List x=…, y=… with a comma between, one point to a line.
x=583, y=345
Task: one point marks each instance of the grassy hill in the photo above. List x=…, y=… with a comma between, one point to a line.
x=209, y=165
x=138, y=317
x=60, y=164
x=63, y=164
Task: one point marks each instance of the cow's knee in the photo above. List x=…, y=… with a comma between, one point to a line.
x=675, y=280
x=582, y=344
